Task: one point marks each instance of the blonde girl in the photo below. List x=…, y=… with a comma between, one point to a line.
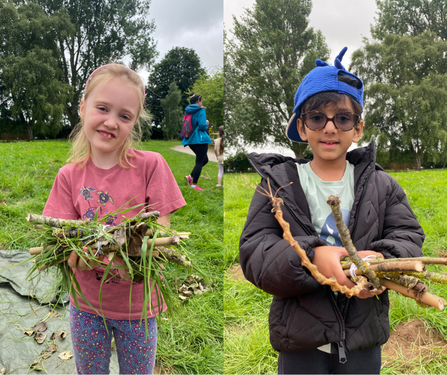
x=104, y=174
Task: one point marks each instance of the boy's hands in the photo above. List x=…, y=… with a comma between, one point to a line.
x=327, y=260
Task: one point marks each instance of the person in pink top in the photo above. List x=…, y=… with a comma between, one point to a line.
x=104, y=174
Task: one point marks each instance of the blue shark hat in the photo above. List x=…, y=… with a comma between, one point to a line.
x=323, y=77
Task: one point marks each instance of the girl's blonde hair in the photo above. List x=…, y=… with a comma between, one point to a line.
x=81, y=148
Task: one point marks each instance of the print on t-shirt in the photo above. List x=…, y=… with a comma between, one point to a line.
x=103, y=199
x=329, y=232
x=86, y=192
x=89, y=213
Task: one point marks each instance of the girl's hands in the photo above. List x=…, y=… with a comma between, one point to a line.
x=82, y=264
x=327, y=260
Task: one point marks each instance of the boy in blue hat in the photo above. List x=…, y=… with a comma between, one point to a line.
x=314, y=329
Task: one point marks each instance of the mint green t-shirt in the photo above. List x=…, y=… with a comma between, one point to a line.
x=317, y=191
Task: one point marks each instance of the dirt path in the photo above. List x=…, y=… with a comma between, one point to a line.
x=187, y=150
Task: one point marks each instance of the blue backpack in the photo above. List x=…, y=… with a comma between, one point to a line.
x=187, y=128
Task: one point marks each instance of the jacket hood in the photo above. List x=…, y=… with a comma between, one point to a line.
x=192, y=108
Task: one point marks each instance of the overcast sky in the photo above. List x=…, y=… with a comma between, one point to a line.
x=192, y=24
x=342, y=22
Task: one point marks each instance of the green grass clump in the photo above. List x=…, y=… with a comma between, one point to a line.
x=246, y=307
x=191, y=340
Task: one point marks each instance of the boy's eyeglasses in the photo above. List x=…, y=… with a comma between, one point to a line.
x=343, y=121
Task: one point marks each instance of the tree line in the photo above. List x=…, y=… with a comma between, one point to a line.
x=48, y=48
x=403, y=68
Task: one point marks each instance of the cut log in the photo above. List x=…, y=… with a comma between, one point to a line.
x=427, y=298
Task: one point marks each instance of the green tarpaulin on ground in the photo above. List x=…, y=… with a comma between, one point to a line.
x=24, y=303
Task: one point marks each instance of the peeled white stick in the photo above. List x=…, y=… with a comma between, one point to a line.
x=427, y=298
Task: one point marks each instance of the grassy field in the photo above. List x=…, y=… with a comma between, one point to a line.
x=247, y=348
x=191, y=341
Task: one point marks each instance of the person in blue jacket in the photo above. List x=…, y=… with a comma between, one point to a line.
x=199, y=140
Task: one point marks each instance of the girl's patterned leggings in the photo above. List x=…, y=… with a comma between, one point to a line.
x=92, y=343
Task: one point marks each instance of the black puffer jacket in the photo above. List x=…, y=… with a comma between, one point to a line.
x=304, y=314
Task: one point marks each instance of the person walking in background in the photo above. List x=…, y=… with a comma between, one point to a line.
x=199, y=139
x=219, y=152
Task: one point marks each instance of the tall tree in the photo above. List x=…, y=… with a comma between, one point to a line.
x=181, y=66
x=211, y=87
x=173, y=113
x=103, y=31
x=272, y=50
x=405, y=81
x=410, y=17
x=32, y=93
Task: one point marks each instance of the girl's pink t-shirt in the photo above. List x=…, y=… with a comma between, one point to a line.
x=78, y=193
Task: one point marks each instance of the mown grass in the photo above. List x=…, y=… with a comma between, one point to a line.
x=247, y=347
x=191, y=340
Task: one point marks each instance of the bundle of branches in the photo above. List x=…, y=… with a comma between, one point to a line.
x=142, y=243
x=401, y=275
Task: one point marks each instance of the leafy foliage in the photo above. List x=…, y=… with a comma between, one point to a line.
x=32, y=92
x=238, y=162
x=410, y=17
x=405, y=94
x=173, y=113
x=272, y=50
x=211, y=87
x=100, y=32
x=181, y=66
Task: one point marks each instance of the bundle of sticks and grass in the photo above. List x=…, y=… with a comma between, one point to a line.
x=402, y=275
x=142, y=243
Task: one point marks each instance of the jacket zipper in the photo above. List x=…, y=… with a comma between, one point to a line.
x=341, y=319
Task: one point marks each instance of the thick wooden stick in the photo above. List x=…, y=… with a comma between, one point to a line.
x=56, y=223
x=427, y=298
x=425, y=260
x=147, y=215
x=417, y=266
x=164, y=241
x=345, y=236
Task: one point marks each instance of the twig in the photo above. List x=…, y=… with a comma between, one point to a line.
x=425, y=260
x=427, y=298
x=345, y=236
x=432, y=276
x=173, y=255
x=55, y=223
x=147, y=215
x=417, y=266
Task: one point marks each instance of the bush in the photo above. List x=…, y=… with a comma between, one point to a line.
x=238, y=163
